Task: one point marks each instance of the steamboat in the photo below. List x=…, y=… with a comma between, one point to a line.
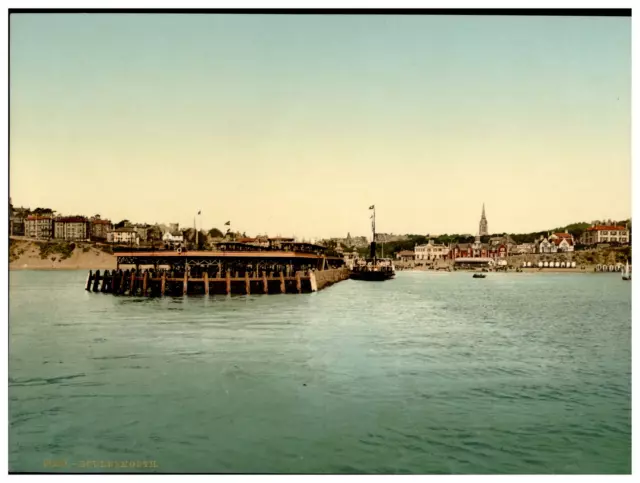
x=373, y=269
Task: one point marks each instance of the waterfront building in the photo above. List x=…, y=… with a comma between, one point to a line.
x=564, y=242
x=524, y=248
x=484, y=225
x=430, y=251
x=71, y=228
x=126, y=235
x=477, y=249
x=39, y=226
x=543, y=245
x=406, y=256
x=605, y=234
x=100, y=228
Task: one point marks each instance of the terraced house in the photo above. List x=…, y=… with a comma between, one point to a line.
x=39, y=226
x=71, y=228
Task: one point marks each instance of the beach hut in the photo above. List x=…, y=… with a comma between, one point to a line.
x=539, y=264
x=524, y=264
x=528, y=264
x=573, y=264
x=562, y=265
x=546, y=264
x=612, y=268
x=557, y=264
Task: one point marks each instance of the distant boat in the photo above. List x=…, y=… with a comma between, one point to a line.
x=479, y=275
x=626, y=274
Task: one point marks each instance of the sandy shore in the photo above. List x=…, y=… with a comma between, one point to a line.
x=91, y=259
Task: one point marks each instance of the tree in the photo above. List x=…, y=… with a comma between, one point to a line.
x=43, y=211
x=121, y=224
x=215, y=233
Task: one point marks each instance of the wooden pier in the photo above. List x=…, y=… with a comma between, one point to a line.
x=221, y=272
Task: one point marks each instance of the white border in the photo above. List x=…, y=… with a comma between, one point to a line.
x=290, y=4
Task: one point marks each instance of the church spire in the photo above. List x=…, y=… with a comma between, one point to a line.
x=484, y=226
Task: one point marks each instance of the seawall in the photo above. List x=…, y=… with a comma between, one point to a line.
x=325, y=278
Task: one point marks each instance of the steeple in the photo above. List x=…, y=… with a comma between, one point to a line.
x=484, y=226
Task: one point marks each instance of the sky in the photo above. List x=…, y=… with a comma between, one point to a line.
x=295, y=125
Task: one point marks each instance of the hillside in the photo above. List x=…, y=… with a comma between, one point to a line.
x=30, y=255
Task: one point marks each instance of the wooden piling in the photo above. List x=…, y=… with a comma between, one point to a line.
x=122, y=281
x=185, y=284
x=265, y=284
x=163, y=283
x=96, y=281
x=144, y=283
x=88, y=284
x=206, y=283
x=283, y=289
x=298, y=282
x=133, y=283
x=247, y=283
x=105, y=281
x=228, y=282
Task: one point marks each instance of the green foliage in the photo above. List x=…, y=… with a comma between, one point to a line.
x=215, y=233
x=42, y=211
x=106, y=248
x=121, y=224
x=64, y=249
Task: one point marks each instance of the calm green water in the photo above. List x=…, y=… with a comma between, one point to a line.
x=428, y=373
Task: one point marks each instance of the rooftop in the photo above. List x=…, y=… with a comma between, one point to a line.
x=606, y=227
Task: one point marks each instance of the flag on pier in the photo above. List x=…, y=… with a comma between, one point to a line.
x=227, y=223
x=199, y=211
x=372, y=207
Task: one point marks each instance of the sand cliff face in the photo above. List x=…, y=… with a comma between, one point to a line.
x=26, y=256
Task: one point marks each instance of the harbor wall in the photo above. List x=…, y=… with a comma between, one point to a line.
x=325, y=278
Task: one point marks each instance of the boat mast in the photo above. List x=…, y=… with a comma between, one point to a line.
x=373, y=228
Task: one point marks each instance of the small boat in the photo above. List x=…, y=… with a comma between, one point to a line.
x=479, y=275
x=626, y=274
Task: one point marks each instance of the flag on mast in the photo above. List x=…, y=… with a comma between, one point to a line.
x=372, y=207
x=199, y=211
x=227, y=223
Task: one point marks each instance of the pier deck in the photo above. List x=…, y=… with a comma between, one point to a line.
x=217, y=272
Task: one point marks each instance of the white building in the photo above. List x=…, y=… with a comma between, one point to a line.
x=524, y=248
x=173, y=238
x=564, y=242
x=431, y=251
x=126, y=235
x=605, y=234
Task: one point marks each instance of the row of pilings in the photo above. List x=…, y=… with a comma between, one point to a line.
x=159, y=282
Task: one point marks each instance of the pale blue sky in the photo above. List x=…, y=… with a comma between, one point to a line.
x=296, y=124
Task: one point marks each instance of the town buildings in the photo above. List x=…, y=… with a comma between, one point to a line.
x=39, y=226
x=556, y=243
x=406, y=256
x=173, y=238
x=100, y=228
x=477, y=249
x=430, y=251
x=605, y=234
x=126, y=235
x=71, y=228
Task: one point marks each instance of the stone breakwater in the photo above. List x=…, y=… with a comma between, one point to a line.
x=325, y=278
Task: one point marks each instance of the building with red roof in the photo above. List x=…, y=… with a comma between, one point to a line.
x=605, y=234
